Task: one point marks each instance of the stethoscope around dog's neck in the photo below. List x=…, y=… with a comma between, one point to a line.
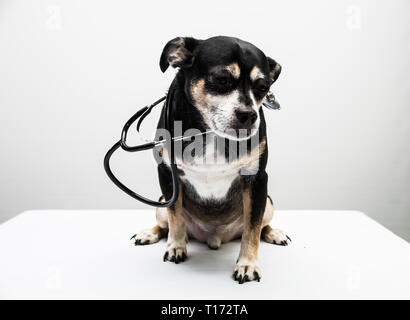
x=270, y=102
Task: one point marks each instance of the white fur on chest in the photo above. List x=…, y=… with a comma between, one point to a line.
x=212, y=175
x=211, y=181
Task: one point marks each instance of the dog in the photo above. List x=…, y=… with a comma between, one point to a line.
x=221, y=84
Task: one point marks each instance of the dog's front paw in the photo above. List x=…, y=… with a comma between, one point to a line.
x=176, y=251
x=246, y=270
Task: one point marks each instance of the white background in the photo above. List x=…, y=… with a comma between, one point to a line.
x=72, y=72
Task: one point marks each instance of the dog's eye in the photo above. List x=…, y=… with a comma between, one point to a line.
x=222, y=80
x=263, y=88
x=260, y=86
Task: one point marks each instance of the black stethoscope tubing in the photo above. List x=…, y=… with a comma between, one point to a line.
x=122, y=143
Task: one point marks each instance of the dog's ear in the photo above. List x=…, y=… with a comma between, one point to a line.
x=178, y=52
x=275, y=69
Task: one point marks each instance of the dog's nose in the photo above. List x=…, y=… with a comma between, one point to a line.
x=246, y=116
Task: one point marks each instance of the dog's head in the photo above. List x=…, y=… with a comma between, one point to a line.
x=226, y=79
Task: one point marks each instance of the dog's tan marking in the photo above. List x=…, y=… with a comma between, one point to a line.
x=234, y=69
x=177, y=236
x=176, y=222
x=247, y=266
x=161, y=232
x=251, y=233
x=199, y=94
x=256, y=74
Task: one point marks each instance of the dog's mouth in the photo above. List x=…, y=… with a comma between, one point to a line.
x=236, y=134
x=235, y=131
x=229, y=127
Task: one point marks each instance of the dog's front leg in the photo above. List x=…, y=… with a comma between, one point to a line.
x=254, y=201
x=177, y=236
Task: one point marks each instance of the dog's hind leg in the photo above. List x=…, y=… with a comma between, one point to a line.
x=153, y=235
x=269, y=234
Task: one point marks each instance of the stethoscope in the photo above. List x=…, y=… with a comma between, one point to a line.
x=270, y=103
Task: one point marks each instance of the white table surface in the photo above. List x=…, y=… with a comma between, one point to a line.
x=88, y=255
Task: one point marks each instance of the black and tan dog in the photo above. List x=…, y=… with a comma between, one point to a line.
x=221, y=84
